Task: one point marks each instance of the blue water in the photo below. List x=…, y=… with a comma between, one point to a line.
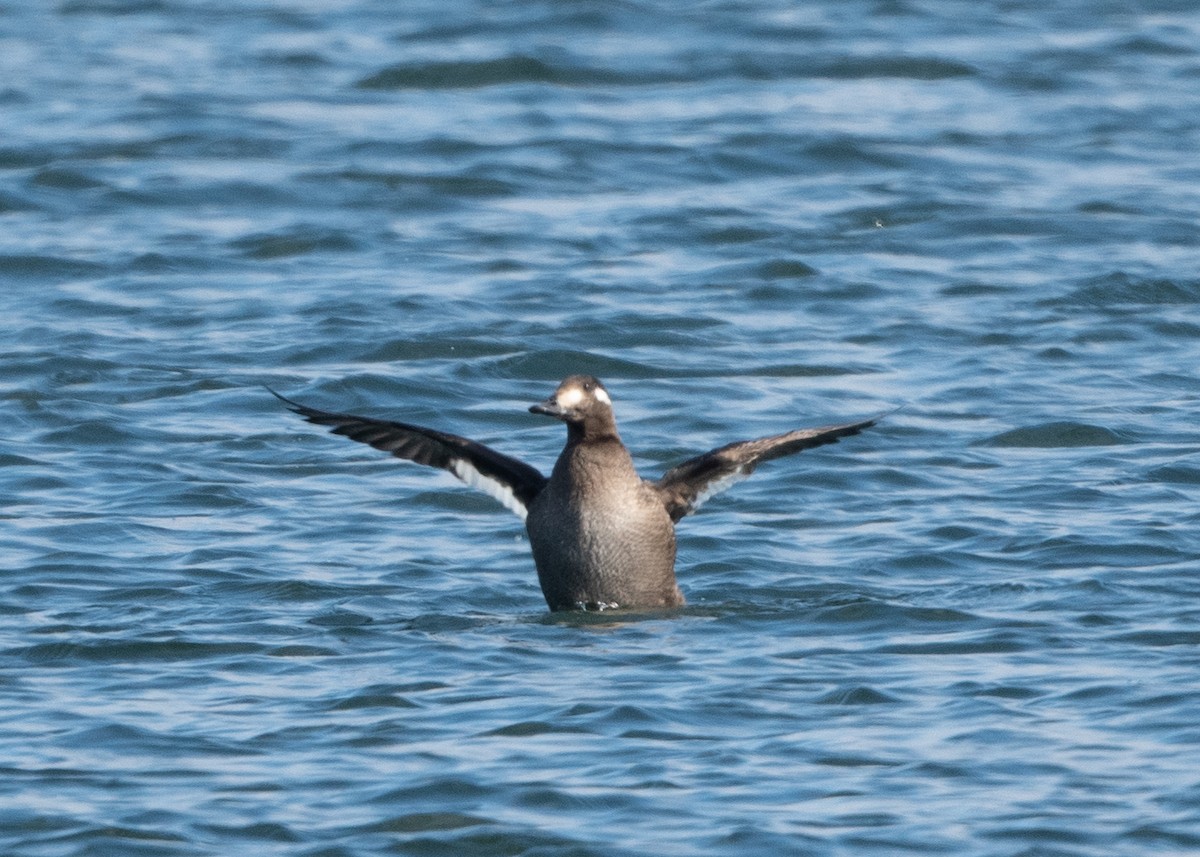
x=974, y=630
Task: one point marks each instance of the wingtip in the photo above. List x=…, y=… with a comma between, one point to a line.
x=294, y=407
x=874, y=419
x=883, y=415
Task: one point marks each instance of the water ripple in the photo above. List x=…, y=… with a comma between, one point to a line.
x=970, y=631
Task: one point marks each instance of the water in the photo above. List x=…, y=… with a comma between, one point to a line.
x=972, y=630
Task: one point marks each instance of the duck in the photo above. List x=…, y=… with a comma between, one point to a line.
x=602, y=537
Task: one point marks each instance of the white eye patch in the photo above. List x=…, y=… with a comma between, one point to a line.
x=570, y=398
x=603, y=396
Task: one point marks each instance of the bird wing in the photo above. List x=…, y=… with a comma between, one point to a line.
x=685, y=487
x=509, y=480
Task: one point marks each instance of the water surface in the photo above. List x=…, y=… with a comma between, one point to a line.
x=972, y=630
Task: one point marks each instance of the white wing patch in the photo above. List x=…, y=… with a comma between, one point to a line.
x=462, y=468
x=719, y=485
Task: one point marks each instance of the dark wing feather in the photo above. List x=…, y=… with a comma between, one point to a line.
x=685, y=487
x=511, y=481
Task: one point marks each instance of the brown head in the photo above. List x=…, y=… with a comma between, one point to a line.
x=584, y=405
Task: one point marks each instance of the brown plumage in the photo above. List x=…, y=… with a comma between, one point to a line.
x=601, y=536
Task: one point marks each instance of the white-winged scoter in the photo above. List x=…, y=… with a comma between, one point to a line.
x=602, y=537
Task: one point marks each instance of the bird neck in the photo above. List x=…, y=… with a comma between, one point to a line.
x=591, y=431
